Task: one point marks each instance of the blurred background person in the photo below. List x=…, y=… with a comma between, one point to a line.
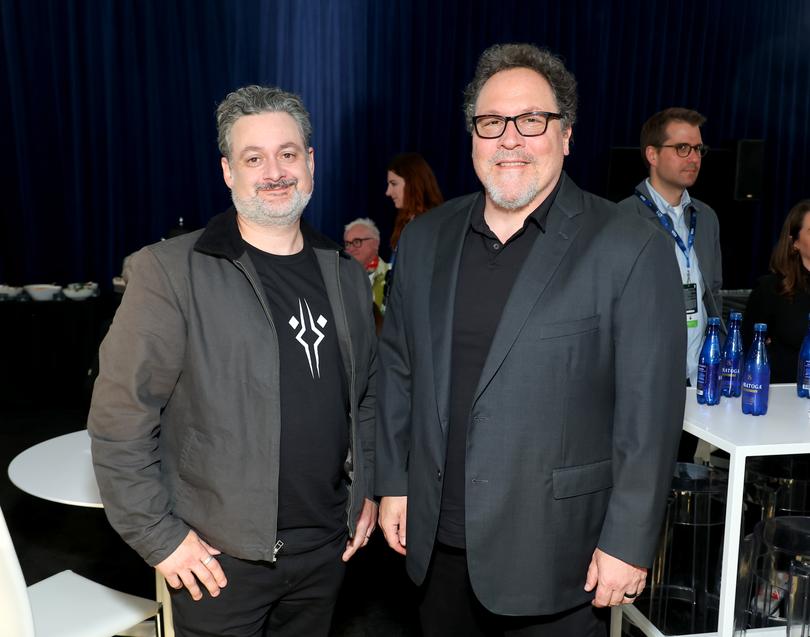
x=782, y=299
x=361, y=238
x=414, y=190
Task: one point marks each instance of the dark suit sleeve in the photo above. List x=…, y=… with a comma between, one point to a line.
x=650, y=350
x=394, y=387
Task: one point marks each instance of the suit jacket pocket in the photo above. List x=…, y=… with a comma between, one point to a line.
x=568, y=328
x=569, y=482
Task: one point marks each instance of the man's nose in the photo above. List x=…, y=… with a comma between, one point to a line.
x=511, y=136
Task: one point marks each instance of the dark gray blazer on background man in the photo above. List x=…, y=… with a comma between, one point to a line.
x=707, y=244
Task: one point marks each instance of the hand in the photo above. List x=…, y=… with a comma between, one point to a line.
x=366, y=522
x=612, y=578
x=393, y=517
x=193, y=557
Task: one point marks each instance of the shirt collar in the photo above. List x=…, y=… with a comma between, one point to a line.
x=664, y=206
x=538, y=216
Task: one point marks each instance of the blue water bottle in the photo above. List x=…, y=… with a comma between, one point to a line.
x=756, y=375
x=730, y=372
x=803, y=368
x=708, y=376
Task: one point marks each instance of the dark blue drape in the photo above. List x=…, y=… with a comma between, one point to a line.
x=108, y=106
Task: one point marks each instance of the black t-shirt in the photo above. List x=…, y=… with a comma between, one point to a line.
x=314, y=401
x=487, y=271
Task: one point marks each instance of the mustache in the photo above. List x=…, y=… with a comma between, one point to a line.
x=511, y=155
x=275, y=185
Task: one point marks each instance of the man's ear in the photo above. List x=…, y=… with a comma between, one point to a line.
x=226, y=172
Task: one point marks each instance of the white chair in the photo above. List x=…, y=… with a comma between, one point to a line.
x=65, y=604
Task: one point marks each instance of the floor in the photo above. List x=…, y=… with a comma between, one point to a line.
x=377, y=598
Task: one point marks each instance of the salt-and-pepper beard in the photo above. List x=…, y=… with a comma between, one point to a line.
x=265, y=213
x=497, y=194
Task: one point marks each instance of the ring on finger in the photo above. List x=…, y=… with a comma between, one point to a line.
x=631, y=595
x=207, y=559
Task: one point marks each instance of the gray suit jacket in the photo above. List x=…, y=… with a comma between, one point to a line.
x=575, y=422
x=707, y=245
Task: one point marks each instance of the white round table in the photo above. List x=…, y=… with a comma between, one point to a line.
x=59, y=470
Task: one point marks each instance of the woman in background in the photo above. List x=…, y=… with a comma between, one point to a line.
x=782, y=299
x=413, y=188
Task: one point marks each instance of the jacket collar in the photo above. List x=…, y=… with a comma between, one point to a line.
x=221, y=238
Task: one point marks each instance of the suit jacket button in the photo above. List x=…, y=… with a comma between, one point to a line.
x=439, y=475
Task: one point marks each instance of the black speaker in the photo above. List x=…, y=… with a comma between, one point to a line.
x=748, y=176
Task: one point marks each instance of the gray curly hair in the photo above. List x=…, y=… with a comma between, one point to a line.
x=502, y=57
x=253, y=100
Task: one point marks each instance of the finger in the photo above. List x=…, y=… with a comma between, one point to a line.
x=173, y=581
x=215, y=568
x=207, y=579
x=190, y=582
x=211, y=550
x=602, y=597
x=351, y=547
x=591, y=578
x=392, y=537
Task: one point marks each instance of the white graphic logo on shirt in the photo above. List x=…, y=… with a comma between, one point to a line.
x=313, y=327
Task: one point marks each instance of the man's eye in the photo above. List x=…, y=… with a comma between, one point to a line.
x=682, y=148
x=489, y=122
x=288, y=156
x=253, y=161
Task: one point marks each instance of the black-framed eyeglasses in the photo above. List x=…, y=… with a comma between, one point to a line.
x=530, y=124
x=684, y=150
x=356, y=243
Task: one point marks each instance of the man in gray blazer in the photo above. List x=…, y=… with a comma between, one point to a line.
x=672, y=149
x=531, y=391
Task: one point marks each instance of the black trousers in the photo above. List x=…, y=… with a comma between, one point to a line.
x=291, y=598
x=449, y=607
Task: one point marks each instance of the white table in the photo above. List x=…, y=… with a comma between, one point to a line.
x=785, y=429
x=61, y=470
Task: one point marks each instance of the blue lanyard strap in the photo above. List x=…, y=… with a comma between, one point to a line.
x=667, y=223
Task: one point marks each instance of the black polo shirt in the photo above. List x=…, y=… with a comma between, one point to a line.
x=487, y=271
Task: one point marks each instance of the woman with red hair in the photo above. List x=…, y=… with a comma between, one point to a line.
x=413, y=188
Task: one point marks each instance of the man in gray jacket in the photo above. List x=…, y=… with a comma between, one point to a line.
x=232, y=420
x=672, y=148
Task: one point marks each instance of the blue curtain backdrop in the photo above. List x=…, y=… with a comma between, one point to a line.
x=108, y=106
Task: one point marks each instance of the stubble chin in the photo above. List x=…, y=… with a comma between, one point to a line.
x=263, y=213
x=510, y=196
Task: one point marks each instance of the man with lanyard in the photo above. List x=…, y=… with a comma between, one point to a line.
x=672, y=149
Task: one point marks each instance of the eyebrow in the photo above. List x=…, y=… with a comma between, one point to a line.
x=262, y=149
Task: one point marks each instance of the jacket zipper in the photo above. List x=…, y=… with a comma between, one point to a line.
x=352, y=397
x=278, y=544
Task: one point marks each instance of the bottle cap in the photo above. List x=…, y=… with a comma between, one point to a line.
x=760, y=327
x=713, y=320
x=735, y=316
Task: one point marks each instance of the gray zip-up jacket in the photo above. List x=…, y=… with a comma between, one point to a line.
x=185, y=417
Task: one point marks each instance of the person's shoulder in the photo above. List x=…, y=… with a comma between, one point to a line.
x=704, y=209
x=607, y=216
x=167, y=251
x=428, y=222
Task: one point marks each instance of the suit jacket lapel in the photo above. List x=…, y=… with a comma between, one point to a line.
x=449, y=243
x=540, y=266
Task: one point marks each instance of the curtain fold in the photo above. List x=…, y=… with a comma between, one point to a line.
x=110, y=133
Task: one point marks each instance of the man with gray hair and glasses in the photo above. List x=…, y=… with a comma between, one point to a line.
x=531, y=380
x=232, y=421
x=361, y=239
